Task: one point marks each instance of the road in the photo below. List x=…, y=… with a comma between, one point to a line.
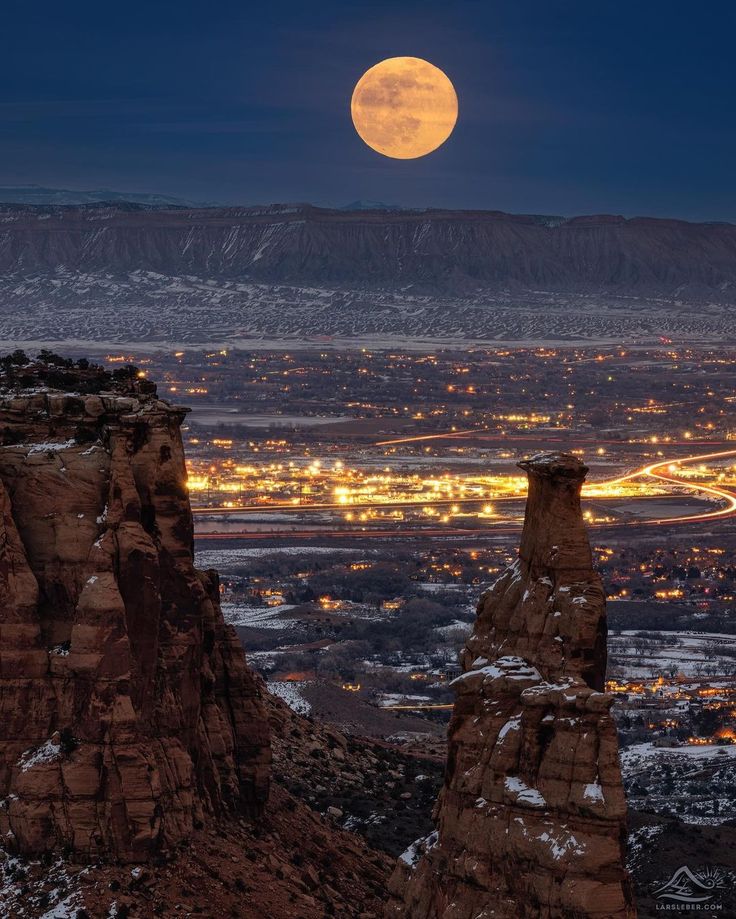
x=520, y=439
x=415, y=533
x=387, y=505
x=656, y=471
x=659, y=471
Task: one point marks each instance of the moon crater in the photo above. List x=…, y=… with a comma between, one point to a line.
x=404, y=107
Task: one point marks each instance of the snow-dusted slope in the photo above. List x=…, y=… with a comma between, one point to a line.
x=133, y=273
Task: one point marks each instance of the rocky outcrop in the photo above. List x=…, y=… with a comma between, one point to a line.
x=292, y=864
x=531, y=819
x=127, y=712
x=383, y=791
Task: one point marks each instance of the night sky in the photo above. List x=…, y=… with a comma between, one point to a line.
x=565, y=107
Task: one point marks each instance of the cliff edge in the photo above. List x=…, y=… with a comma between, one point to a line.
x=127, y=711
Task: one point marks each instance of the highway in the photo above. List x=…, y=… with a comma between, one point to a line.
x=661, y=471
x=387, y=505
x=656, y=471
x=520, y=439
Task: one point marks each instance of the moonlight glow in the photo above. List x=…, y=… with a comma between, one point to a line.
x=404, y=107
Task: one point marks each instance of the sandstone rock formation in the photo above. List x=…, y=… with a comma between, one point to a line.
x=531, y=819
x=291, y=864
x=127, y=712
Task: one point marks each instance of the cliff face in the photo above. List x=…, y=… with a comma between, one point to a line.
x=434, y=251
x=531, y=820
x=127, y=712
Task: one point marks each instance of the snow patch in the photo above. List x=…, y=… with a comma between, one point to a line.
x=513, y=724
x=419, y=848
x=290, y=692
x=522, y=793
x=48, y=752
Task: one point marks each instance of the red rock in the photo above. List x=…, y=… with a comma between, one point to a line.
x=127, y=711
x=226, y=870
x=531, y=821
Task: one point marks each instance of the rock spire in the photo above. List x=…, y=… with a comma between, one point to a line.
x=531, y=821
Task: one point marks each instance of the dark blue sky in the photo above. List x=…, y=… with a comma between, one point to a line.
x=565, y=107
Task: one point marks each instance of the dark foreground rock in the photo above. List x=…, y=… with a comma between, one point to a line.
x=290, y=864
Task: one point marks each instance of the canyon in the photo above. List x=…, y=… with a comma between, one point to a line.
x=137, y=746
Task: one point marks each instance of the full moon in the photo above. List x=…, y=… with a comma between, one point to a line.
x=404, y=107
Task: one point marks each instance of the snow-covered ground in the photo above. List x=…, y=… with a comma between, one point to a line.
x=291, y=693
x=258, y=617
x=388, y=699
x=434, y=587
x=695, y=784
x=688, y=653
x=640, y=840
x=150, y=309
x=47, y=752
x=60, y=897
x=643, y=756
x=223, y=558
x=457, y=625
x=262, y=660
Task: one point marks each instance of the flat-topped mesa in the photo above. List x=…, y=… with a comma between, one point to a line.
x=531, y=821
x=127, y=712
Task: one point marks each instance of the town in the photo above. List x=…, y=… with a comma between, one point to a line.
x=357, y=504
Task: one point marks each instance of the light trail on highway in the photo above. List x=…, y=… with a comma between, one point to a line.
x=487, y=434
x=377, y=505
x=654, y=471
x=421, y=437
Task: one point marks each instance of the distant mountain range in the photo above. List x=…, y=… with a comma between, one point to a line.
x=432, y=251
x=296, y=269
x=373, y=206
x=37, y=194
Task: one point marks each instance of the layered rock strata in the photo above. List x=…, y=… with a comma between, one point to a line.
x=127, y=711
x=531, y=820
